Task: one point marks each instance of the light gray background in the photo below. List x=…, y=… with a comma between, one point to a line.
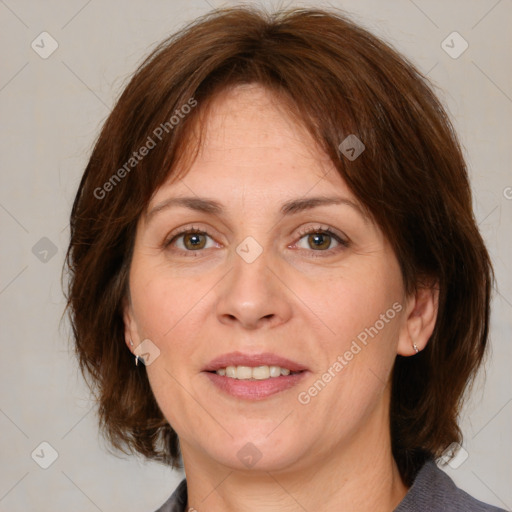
x=51, y=111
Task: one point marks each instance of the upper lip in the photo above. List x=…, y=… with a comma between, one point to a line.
x=262, y=359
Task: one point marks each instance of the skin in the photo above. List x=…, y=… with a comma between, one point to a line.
x=295, y=300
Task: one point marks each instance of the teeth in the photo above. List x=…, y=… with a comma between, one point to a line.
x=261, y=372
x=243, y=372
x=274, y=371
x=248, y=372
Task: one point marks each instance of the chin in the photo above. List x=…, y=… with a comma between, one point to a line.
x=258, y=452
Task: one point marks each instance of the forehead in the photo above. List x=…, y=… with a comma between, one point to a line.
x=251, y=141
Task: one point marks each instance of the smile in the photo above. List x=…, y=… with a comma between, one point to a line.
x=253, y=373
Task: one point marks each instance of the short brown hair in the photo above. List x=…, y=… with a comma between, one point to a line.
x=337, y=79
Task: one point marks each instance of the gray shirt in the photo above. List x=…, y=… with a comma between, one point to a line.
x=432, y=491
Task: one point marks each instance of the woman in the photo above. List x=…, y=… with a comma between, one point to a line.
x=275, y=273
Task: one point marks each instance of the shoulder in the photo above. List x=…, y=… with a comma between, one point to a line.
x=435, y=491
x=178, y=500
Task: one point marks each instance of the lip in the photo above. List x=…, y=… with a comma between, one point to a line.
x=255, y=389
x=263, y=359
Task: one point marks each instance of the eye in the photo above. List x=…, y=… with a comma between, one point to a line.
x=190, y=240
x=321, y=239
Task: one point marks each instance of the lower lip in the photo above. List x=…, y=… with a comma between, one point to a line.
x=255, y=389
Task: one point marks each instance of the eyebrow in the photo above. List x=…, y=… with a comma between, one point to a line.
x=291, y=207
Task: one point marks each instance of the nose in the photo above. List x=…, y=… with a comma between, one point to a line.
x=252, y=296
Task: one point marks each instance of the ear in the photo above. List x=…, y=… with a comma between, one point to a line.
x=131, y=334
x=420, y=319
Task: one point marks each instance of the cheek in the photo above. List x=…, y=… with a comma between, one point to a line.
x=361, y=312
x=163, y=301
x=170, y=311
x=167, y=311
x=354, y=302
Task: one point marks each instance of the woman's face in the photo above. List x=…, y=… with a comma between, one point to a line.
x=253, y=283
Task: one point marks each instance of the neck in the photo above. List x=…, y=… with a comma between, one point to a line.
x=358, y=474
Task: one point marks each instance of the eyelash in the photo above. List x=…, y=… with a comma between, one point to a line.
x=320, y=230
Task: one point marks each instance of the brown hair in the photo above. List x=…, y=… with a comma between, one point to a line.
x=337, y=79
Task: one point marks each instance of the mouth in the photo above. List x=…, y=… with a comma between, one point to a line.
x=253, y=376
x=254, y=373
